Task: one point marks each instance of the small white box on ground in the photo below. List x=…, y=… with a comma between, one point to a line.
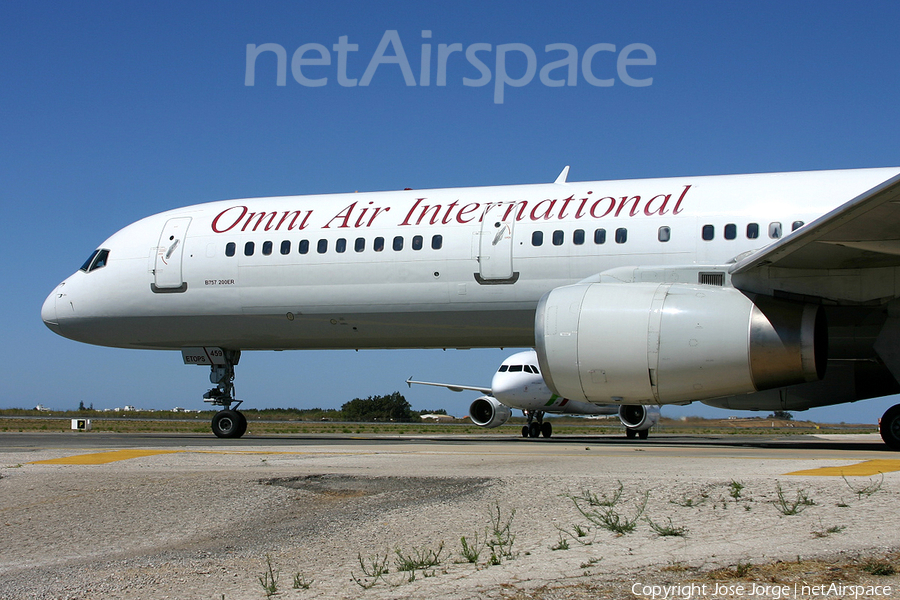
x=81, y=424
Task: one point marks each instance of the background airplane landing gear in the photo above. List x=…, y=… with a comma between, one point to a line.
x=546, y=429
x=536, y=426
x=890, y=427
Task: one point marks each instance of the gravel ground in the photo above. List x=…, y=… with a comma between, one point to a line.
x=207, y=525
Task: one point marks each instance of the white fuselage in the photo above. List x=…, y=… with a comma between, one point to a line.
x=460, y=267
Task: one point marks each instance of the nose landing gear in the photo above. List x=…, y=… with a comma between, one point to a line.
x=228, y=422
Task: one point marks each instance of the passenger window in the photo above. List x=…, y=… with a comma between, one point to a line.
x=708, y=232
x=775, y=230
x=730, y=231
x=249, y=248
x=360, y=244
x=398, y=243
x=322, y=246
x=558, y=238
x=340, y=245
x=417, y=242
x=578, y=237
x=752, y=231
x=378, y=246
x=600, y=236
x=286, y=247
x=303, y=246
x=437, y=242
x=230, y=247
x=537, y=238
x=267, y=248
x=796, y=225
x=621, y=235
x=664, y=234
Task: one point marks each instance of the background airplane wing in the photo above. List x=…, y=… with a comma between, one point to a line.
x=850, y=254
x=452, y=387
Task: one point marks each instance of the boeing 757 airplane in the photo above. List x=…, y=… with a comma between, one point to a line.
x=776, y=291
x=518, y=384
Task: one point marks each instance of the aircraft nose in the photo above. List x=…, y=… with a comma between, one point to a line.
x=48, y=311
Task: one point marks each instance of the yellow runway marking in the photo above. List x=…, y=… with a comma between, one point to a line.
x=102, y=458
x=863, y=469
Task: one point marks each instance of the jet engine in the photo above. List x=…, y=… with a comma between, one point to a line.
x=638, y=417
x=653, y=343
x=488, y=412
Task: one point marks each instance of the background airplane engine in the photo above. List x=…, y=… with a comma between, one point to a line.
x=638, y=416
x=652, y=343
x=488, y=412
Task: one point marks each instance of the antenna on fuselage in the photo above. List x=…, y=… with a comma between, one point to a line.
x=563, y=176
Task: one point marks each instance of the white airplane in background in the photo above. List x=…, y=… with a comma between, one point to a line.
x=776, y=291
x=518, y=384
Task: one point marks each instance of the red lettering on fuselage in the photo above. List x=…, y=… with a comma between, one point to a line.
x=224, y=222
x=423, y=213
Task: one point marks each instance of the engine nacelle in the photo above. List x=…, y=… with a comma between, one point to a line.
x=638, y=416
x=488, y=412
x=652, y=343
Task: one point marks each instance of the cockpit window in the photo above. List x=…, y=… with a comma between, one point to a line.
x=515, y=368
x=97, y=260
x=503, y=368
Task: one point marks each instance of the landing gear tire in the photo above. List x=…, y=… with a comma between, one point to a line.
x=643, y=434
x=229, y=424
x=546, y=429
x=890, y=427
x=630, y=433
x=242, y=429
x=526, y=431
x=534, y=430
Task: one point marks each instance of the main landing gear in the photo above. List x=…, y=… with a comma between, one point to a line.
x=228, y=422
x=642, y=434
x=536, y=426
x=889, y=425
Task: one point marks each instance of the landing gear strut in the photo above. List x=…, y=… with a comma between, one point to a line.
x=226, y=423
x=536, y=426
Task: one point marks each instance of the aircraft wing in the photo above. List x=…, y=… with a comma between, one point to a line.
x=851, y=254
x=451, y=386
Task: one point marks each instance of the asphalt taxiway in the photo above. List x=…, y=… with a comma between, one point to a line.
x=92, y=514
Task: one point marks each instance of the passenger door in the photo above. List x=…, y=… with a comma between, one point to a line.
x=495, y=248
x=167, y=275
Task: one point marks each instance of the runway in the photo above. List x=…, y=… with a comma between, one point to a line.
x=855, y=447
x=90, y=515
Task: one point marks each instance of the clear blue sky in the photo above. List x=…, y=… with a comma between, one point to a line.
x=115, y=110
